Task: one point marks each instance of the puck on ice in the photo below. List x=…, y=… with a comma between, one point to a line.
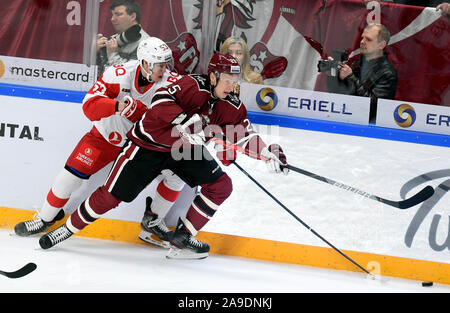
x=427, y=283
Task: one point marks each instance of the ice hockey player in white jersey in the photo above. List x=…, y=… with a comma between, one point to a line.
x=114, y=103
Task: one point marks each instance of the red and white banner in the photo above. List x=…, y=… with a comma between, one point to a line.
x=286, y=38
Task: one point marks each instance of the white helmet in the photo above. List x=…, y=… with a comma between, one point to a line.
x=153, y=50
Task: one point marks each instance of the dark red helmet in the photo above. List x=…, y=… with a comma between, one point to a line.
x=223, y=63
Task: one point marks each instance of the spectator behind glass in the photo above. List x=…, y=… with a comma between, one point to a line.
x=238, y=48
x=372, y=75
x=122, y=46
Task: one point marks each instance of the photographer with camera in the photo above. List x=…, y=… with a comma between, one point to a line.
x=122, y=46
x=372, y=75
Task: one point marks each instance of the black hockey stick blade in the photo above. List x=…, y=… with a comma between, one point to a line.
x=419, y=197
x=27, y=269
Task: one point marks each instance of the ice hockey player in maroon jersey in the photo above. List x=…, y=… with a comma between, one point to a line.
x=113, y=104
x=171, y=135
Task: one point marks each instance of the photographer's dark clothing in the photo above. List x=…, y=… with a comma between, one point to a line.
x=379, y=78
x=376, y=78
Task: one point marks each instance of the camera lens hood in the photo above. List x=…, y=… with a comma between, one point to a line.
x=132, y=34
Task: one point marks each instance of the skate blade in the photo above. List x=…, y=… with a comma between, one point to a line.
x=183, y=254
x=154, y=240
x=14, y=234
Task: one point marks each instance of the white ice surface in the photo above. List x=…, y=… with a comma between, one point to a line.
x=92, y=265
x=350, y=222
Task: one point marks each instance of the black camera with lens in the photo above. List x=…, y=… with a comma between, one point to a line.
x=132, y=34
x=331, y=66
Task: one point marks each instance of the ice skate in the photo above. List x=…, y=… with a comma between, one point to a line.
x=54, y=237
x=36, y=225
x=154, y=229
x=185, y=246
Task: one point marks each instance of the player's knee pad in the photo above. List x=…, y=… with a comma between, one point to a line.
x=65, y=184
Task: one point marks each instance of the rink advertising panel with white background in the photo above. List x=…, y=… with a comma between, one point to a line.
x=413, y=116
x=37, y=136
x=305, y=103
x=47, y=74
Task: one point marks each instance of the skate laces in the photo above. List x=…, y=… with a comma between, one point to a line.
x=195, y=242
x=158, y=223
x=59, y=234
x=35, y=224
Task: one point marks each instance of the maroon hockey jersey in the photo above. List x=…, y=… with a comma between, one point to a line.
x=191, y=95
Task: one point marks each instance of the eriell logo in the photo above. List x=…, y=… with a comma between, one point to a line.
x=404, y=115
x=267, y=99
x=307, y=104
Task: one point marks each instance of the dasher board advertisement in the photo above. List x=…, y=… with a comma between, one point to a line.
x=413, y=116
x=305, y=103
x=47, y=74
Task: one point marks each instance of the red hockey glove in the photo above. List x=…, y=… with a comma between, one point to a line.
x=133, y=110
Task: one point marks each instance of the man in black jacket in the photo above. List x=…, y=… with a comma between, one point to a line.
x=372, y=75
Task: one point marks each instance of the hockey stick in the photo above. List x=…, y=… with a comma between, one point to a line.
x=27, y=269
x=419, y=197
x=299, y=220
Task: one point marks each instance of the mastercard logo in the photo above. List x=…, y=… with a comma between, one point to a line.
x=267, y=99
x=404, y=115
x=2, y=68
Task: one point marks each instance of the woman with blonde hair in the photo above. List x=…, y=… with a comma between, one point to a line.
x=237, y=47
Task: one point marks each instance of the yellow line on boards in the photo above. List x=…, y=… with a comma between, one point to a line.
x=262, y=249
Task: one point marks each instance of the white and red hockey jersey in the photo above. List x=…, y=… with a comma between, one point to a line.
x=118, y=81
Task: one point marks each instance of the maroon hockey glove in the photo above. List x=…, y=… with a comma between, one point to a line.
x=277, y=159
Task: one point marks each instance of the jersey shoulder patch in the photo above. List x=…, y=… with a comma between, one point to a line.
x=234, y=100
x=202, y=81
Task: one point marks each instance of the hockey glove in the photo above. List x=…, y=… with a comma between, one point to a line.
x=133, y=110
x=277, y=159
x=184, y=128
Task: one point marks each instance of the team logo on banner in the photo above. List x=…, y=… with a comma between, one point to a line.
x=267, y=99
x=185, y=53
x=404, y=115
x=264, y=62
